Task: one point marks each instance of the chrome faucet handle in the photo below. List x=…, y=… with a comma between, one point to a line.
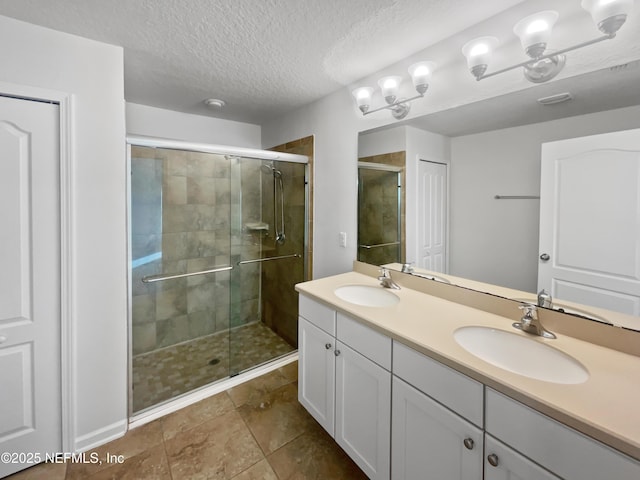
x=407, y=268
x=530, y=322
x=385, y=279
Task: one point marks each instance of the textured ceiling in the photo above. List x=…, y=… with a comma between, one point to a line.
x=263, y=57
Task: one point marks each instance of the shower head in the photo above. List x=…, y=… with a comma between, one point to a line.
x=270, y=169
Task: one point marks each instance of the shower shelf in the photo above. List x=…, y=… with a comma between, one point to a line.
x=257, y=226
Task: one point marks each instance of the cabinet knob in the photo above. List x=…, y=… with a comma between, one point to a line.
x=336, y=352
x=493, y=460
x=468, y=443
x=327, y=346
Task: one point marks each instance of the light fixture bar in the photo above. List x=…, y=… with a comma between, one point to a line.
x=549, y=55
x=394, y=104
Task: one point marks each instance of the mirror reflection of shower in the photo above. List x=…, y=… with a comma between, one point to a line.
x=278, y=187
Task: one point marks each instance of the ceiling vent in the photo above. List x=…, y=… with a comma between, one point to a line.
x=554, y=99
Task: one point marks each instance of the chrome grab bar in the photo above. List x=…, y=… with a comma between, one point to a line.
x=244, y=262
x=379, y=245
x=170, y=276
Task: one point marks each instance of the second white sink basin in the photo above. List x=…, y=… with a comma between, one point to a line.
x=366, y=295
x=522, y=355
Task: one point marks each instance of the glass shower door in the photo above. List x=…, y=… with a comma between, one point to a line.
x=217, y=244
x=268, y=231
x=180, y=272
x=379, y=214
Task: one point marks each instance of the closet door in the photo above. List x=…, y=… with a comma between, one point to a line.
x=30, y=413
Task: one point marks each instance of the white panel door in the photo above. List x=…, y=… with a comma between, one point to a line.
x=590, y=220
x=30, y=405
x=432, y=216
x=363, y=412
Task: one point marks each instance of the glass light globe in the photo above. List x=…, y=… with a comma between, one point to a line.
x=390, y=87
x=535, y=31
x=608, y=15
x=363, y=98
x=478, y=53
x=421, y=74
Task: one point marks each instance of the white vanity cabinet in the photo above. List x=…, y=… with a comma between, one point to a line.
x=430, y=437
x=559, y=449
x=402, y=415
x=504, y=463
x=345, y=383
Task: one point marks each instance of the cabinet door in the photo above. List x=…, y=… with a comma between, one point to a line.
x=429, y=441
x=503, y=463
x=316, y=373
x=363, y=411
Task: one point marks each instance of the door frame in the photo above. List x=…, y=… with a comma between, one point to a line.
x=447, y=222
x=68, y=313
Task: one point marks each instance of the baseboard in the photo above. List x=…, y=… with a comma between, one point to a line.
x=101, y=436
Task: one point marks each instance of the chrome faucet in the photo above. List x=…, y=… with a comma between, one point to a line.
x=530, y=322
x=386, y=281
x=544, y=299
x=407, y=268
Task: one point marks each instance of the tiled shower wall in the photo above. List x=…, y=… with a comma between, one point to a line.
x=186, y=215
x=378, y=210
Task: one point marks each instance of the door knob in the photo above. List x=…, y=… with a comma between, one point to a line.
x=545, y=257
x=493, y=460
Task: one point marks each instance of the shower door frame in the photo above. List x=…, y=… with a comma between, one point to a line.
x=152, y=412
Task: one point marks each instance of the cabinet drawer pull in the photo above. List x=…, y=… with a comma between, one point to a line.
x=327, y=346
x=469, y=443
x=493, y=460
x=336, y=352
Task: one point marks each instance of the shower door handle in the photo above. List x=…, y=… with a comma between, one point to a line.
x=257, y=260
x=170, y=276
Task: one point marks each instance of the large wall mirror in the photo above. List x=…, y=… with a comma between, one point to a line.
x=478, y=217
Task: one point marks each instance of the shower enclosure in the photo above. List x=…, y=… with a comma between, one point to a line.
x=379, y=213
x=217, y=243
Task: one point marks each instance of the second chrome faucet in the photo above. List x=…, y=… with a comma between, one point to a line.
x=530, y=322
x=386, y=281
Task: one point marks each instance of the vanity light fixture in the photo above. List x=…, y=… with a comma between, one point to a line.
x=389, y=87
x=534, y=32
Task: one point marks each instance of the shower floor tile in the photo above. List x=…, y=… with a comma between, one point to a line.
x=166, y=373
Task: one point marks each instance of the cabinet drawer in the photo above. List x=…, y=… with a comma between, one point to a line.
x=317, y=313
x=564, y=451
x=364, y=340
x=454, y=390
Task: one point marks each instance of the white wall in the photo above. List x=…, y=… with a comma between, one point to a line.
x=158, y=122
x=93, y=73
x=382, y=141
x=333, y=122
x=496, y=241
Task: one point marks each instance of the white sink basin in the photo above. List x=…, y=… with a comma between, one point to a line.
x=366, y=295
x=522, y=355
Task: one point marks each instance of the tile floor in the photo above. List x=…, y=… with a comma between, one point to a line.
x=168, y=372
x=254, y=431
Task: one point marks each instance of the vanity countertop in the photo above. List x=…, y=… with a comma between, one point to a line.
x=605, y=407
